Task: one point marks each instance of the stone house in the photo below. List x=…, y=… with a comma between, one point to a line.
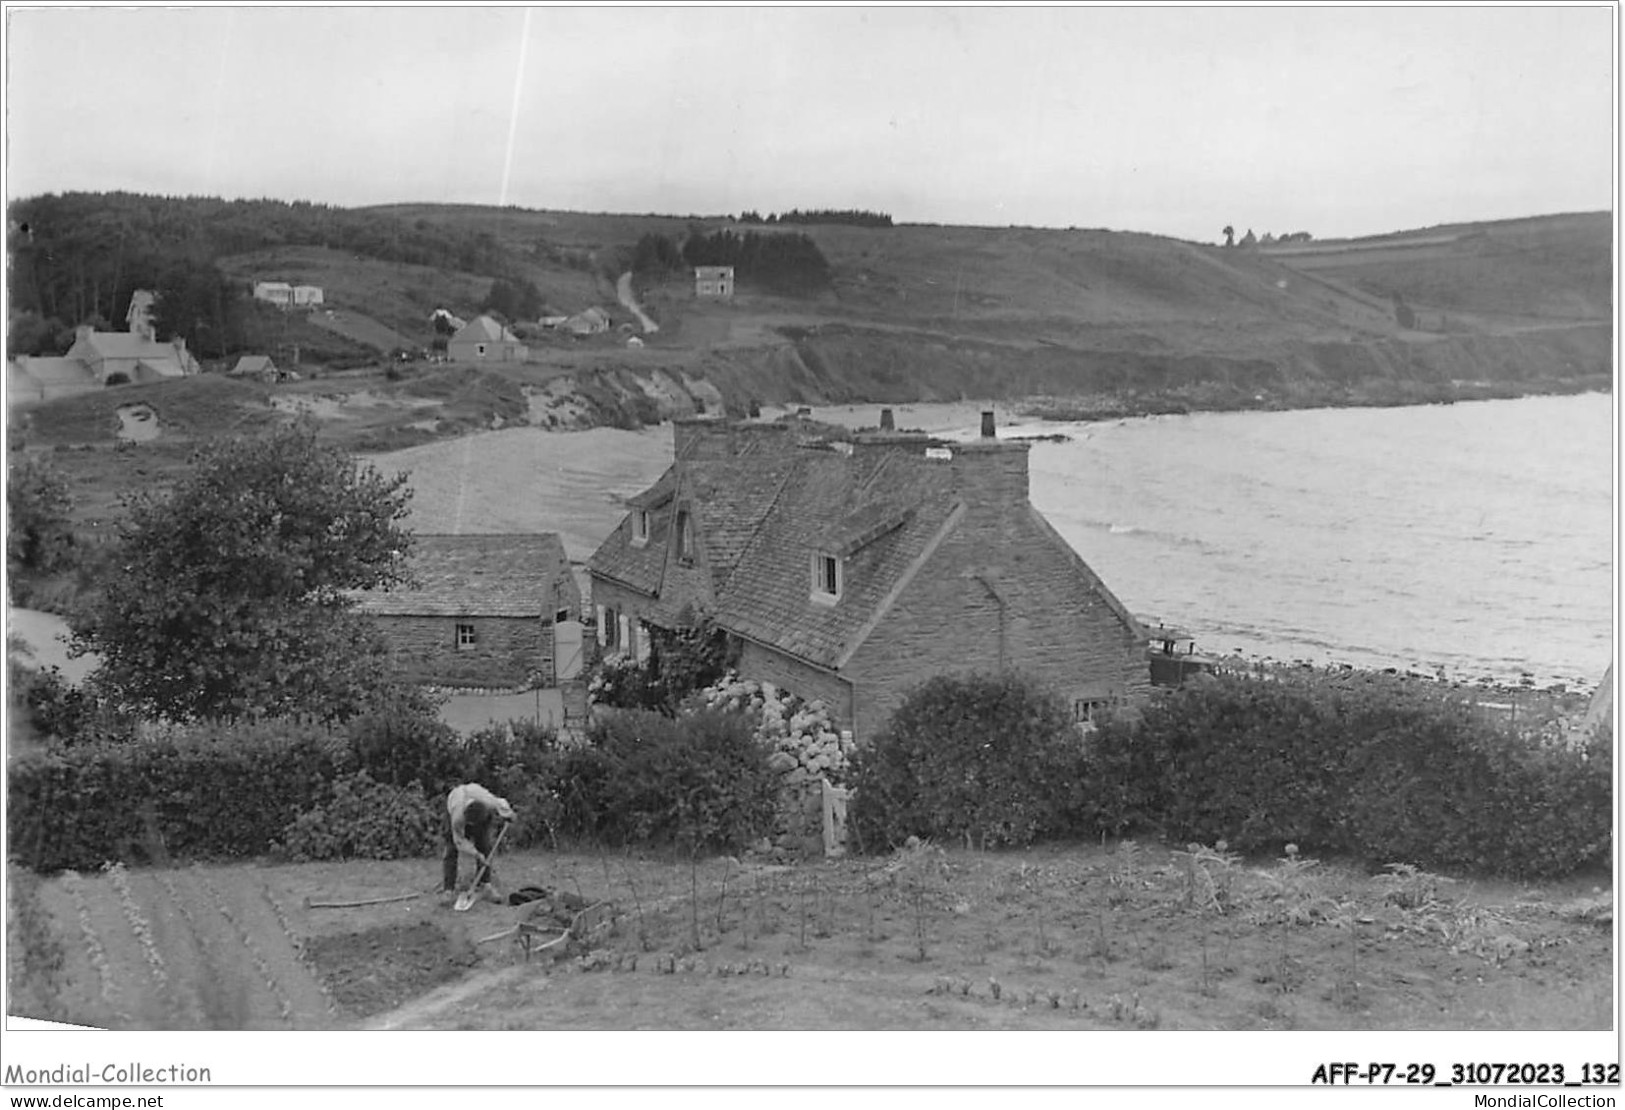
x=256, y=366
x=279, y=293
x=852, y=569
x=488, y=612
x=115, y=356
x=714, y=281
x=484, y=340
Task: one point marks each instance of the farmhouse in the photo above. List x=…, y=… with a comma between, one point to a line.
x=307, y=296
x=31, y=379
x=114, y=356
x=485, y=340
x=256, y=366
x=852, y=570
x=279, y=293
x=590, y=321
x=714, y=281
x=485, y=611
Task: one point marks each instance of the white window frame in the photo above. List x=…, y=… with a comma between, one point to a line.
x=479, y=349
x=466, y=636
x=640, y=527
x=822, y=563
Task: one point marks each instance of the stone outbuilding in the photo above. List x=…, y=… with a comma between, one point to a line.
x=484, y=340
x=853, y=568
x=486, y=612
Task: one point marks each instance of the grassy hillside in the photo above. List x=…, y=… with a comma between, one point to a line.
x=1078, y=322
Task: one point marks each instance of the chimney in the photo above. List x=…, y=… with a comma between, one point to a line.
x=987, y=425
x=887, y=424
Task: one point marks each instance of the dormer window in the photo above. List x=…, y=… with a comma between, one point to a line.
x=826, y=578
x=640, y=527
x=685, y=537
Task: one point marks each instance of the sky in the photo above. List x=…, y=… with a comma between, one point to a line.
x=1176, y=121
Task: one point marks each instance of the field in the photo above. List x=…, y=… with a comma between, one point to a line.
x=1119, y=936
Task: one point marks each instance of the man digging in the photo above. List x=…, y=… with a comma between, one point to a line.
x=474, y=817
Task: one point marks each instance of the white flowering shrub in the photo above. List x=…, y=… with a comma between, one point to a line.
x=799, y=733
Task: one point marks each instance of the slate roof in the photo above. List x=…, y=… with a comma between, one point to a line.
x=480, y=576
x=639, y=565
x=823, y=506
x=483, y=329
x=759, y=517
x=254, y=364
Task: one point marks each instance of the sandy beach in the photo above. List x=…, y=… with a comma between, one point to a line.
x=527, y=480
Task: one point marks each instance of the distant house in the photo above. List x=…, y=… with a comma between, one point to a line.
x=307, y=296
x=279, y=293
x=485, y=340
x=850, y=571
x=30, y=380
x=256, y=366
x=115, y=357
x=487, y=611
x=714, y=281
x=139, y=315
x=592, y=321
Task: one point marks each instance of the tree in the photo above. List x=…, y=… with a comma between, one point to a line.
x=231, y=596
x=38, y=540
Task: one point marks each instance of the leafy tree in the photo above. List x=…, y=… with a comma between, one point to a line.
x=30, y=333
x=38, y=540
x=197, y=303
x=231, y=596
x=513, y=298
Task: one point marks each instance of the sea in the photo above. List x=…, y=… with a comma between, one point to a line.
x=1470, y=541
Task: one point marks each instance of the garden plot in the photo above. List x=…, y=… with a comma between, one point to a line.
x=1079, y=937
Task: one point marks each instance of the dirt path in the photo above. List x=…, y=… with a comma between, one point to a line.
x=623, y=290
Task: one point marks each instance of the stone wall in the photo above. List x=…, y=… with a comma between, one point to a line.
x=508, y=652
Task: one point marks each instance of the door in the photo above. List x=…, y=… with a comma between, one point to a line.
x=566, y=650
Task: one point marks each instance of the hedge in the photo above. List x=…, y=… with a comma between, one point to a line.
x=206, y=793
x=1357, y=764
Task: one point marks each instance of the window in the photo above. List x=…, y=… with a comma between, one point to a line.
x=826, y=577
x=1087, y=712
x=479, y=349
x=612, y=624
x=561, y=616
x=640, y=527
x=685, y=537
x=465, y=636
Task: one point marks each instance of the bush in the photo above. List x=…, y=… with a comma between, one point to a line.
x=699, y=781
x=798, y=733
x=202, y=793
x=1358, y=764
x=407, y=744
x=521, y=762
x=994, y=759
x=363, y=819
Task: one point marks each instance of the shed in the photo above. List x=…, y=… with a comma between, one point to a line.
x=485, y=611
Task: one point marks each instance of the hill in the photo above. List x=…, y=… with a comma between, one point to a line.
x=1096, y=321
